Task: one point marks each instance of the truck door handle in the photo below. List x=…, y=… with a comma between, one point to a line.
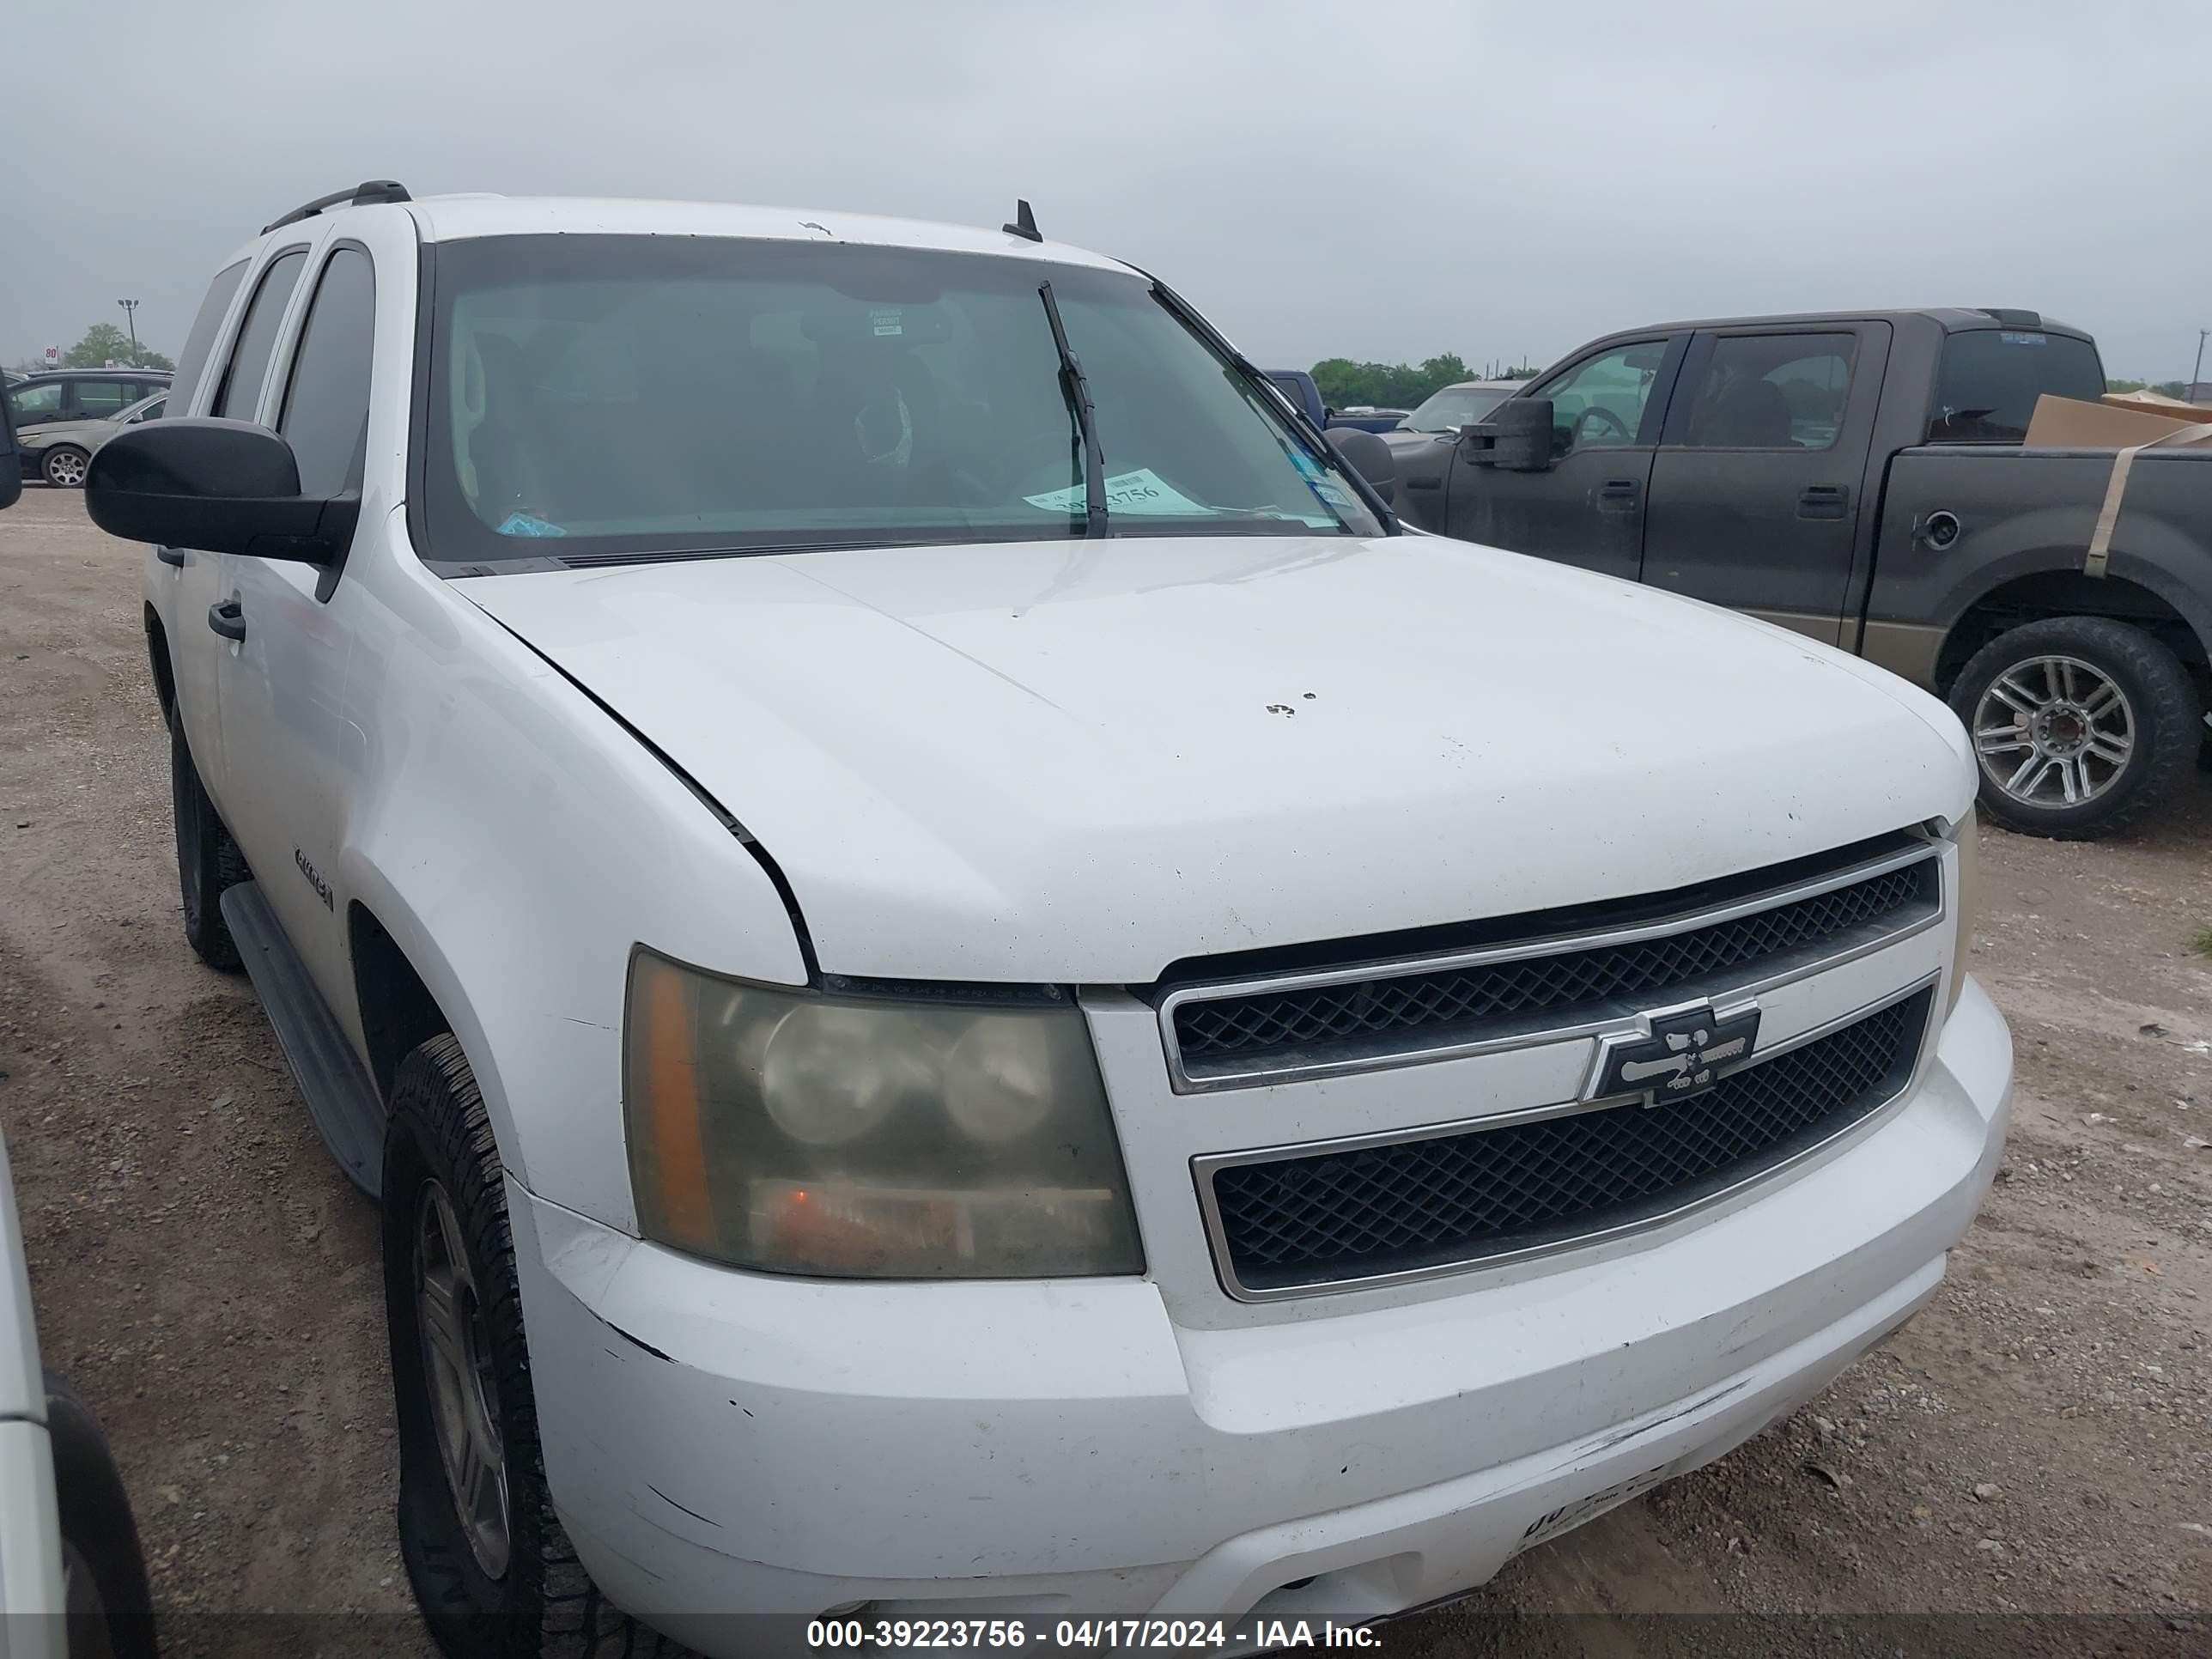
x=1824, y=501
x=175, y=556
x=1618, y=495
x=228, y=618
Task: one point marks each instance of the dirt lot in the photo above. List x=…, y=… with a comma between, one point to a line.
x=2039, y=1445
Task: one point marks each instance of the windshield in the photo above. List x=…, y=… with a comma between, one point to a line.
x=1456, y=406
x=640, y=395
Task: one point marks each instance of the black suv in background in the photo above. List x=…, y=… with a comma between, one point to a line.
x=81, y=394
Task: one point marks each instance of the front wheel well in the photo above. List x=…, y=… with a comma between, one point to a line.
x=2064, y=593
x=398, y=1014
x=157, y=657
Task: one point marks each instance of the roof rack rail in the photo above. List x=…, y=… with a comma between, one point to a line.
x=365, y=194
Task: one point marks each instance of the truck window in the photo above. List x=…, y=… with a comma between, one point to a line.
x=325, y=414
x=239, y=397
x=197, y=343
x=1989, y=378
x=1599, y=403
x=1772, y=391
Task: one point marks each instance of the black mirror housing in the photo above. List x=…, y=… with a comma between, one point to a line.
x=1365, y=453
x=219, y=486
x=1516, y=438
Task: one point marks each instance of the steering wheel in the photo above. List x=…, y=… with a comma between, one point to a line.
x=1600, y=412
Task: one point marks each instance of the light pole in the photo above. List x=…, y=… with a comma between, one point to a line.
x=130, y=316
x=2196, y=373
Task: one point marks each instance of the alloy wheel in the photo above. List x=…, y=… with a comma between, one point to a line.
x=2054, y=731
x=457, y=1364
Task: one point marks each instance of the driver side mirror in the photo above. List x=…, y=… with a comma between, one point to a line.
x=1516, y=438
x=219, y=486
x=11, y=465
x=1370, y=457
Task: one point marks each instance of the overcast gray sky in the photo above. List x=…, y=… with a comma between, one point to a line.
x=1373, y=181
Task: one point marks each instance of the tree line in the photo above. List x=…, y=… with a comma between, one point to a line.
x=1344, y=384
x=105, y=343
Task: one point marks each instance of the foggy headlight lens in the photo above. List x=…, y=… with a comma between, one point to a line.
x=1965, y=906
x=851, y=1137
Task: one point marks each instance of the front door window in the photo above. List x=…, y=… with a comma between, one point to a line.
x=1600, y=403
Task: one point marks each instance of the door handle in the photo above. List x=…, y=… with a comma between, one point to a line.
x=1824, y=501
x=1618, y=495
x=175, y=556
x=228, y=618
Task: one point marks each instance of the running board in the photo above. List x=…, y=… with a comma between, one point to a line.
x=341, y=1097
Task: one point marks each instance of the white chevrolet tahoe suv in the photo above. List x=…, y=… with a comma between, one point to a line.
x=967, y=986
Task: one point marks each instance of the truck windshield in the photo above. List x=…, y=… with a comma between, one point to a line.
x=640, y=396
x=1989, y=378
x=1455, y=406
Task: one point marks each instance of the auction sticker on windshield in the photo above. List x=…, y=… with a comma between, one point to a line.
x=1141, y=492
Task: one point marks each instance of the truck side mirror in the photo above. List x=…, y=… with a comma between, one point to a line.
x=1516, y=438
x=1370, y=457
x=219, y=486
x=11, y=465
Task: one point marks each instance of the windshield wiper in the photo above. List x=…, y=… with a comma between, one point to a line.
x=1077, y=392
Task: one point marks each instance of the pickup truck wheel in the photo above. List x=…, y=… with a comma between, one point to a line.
x=2080, y=725
x=110, y=1611
x=208, y=860
x=491, y=1568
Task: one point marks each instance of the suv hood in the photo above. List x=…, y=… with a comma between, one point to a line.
x=1082, y=762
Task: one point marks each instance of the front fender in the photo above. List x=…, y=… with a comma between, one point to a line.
x=517, y=843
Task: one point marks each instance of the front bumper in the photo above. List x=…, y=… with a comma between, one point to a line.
x=721, y=1443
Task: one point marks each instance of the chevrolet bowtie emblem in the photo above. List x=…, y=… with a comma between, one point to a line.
x=1678, y=1054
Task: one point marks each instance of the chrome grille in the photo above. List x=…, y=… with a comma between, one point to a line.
x=1405, y=1008
x=1412, y=1206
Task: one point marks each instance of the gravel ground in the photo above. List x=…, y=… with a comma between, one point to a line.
x=2024, y=1469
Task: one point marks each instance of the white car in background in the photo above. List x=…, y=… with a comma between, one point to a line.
x=72, y=1578
x=1442, y=414
x=968, y=989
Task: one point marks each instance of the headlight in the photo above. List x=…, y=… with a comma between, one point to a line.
x=1965, y=906
x=864, y=1138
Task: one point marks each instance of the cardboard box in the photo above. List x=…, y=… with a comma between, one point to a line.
x=2119, y=421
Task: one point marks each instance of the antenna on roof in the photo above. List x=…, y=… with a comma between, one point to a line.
x=1024, y=225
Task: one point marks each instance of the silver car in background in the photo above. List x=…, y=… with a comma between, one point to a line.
x=58, y=452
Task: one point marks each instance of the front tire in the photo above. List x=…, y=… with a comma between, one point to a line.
x=207, y=859
x=492, y=1570
x=2080, y=725
x=110, y=1609
x=64, y=466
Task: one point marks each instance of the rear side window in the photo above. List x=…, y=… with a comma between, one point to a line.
x=1772, y=391
x=98, y=400
x=256, y=337
x=1989, y=380
x=201, y=340
x=325, y=410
